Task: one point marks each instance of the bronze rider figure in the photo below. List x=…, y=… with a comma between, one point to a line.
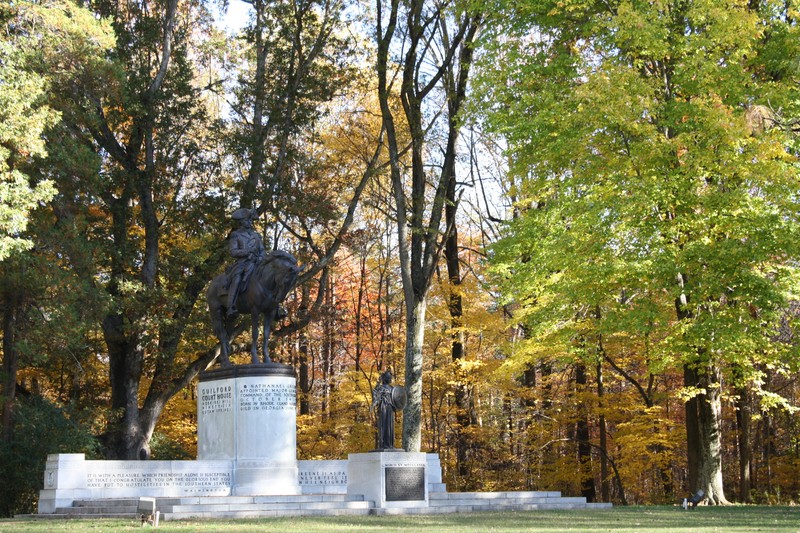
x=247, y=247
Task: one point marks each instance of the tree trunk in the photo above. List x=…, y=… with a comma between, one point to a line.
x=703, y=429
x=463, y=398
x=710, y=471
x=415, y=336
x=703, y=417
x=743, y=423
x=11, y=313
x=124, y=437
x=546, y=371
x=419, y=240
x=768, y=450
x=605, y=487
x=692, y=430
x=588, y=490
x=303, y=375
x=359, y=318
x=303, y=378
x=327, y=352
x=258, y=127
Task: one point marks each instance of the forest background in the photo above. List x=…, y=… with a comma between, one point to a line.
x=568, y=227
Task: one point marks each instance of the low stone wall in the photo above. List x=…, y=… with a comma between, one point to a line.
x=70, y=477
x=322, y=477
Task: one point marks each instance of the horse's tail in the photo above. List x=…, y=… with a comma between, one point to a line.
x=215, y=307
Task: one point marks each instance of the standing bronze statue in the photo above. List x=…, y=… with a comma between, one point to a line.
x=386, y=399
x=256, y=283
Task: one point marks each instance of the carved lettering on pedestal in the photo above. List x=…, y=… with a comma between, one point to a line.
x=266, y=397
x=322, y=478
x=216, y=399
x=191, y=482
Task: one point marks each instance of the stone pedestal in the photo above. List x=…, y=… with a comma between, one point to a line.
x=390, y=479
x=247, y=414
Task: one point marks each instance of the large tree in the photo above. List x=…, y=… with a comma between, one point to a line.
x=151, y=156
x=27, y=115
x=431, y=36
x=646, y=185
x=136, y=206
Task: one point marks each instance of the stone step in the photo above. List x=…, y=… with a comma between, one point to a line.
x=276, y=506
x=279, y=513
x=600, y=505
x=322, y=505
x=503, y=502
x=212, y=500
x=107, y=502
x=63, y=516
x=96, y=511
x=450, y=509
x=201, y=505
x=272, y=513
x=529, y=507
x=128, y=505
x=495, y=495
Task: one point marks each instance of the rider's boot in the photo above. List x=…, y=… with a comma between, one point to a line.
x=232, y=290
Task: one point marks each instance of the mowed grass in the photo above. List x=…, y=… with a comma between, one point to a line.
x=738, y=518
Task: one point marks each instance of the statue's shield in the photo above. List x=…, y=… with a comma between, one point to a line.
x=399, y=397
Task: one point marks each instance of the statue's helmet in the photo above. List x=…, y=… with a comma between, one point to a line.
x=386, y=377
x=244, y=214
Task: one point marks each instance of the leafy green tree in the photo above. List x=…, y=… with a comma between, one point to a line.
x=41, y=428
x=23, y=119
x=28, y=115
x=643, y=189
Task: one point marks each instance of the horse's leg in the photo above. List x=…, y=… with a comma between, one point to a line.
x=221, y=327
x=268, y=318
x=254, y=349
x=224, y=348
x=227, y=328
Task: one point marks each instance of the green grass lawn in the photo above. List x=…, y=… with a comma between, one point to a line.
x=629, y=519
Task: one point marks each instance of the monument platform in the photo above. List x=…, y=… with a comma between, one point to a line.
x=325, y=487
x=247, y=467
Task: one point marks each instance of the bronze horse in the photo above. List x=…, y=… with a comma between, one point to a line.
x=268, y=286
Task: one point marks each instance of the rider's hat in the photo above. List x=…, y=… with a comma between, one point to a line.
x=244, y=213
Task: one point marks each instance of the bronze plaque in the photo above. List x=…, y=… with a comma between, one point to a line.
x=405, y=483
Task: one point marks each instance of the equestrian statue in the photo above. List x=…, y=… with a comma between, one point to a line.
x=255, y=284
